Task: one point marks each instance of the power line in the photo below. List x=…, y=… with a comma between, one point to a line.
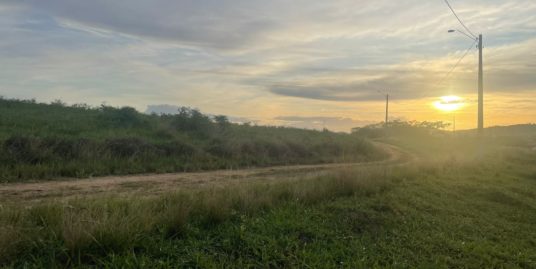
x=461, y=22
x=457, y=63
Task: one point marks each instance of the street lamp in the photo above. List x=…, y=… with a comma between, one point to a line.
x=463, y=33
x=480, y=78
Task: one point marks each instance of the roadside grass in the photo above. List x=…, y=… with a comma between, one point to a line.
x=437, y=214
x=81, y=231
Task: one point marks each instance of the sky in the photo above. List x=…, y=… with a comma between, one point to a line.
x=300, y=63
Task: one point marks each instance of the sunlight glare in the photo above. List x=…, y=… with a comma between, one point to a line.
x=449, y=103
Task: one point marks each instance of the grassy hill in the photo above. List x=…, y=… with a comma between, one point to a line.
x=40, y=141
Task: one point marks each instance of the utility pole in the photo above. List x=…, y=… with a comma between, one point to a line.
x=386, y=106
x=478, y=39
x=454, y=122
x=480, y=88
x=386, y=110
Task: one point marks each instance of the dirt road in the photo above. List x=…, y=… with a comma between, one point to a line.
x=158, y=183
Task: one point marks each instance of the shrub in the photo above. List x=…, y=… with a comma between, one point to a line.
x=177, y=148
x=127, y=147
x=126, y=117
x=194, y=122
x=220, y=148
x=23, y=149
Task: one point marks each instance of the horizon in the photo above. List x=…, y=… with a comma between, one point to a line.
x=311, y=65
x=161, y=110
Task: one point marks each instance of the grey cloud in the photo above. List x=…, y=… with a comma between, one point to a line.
x=239, y=23
x=210, y=23
x=233, y=24
x=410, y=85
x=402, y=83
x=330, y=93
x=509, y=69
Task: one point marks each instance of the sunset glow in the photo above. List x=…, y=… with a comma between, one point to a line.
x=449, y=103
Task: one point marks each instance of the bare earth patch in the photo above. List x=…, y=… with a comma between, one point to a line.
x=159, y=183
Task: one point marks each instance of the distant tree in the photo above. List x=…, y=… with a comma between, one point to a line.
x=221, y=119
x=120, y=117
x=81, y=106
x=222, y=122
x=58, y=102
x=193, y=121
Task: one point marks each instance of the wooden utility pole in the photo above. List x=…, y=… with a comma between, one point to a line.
x=386, y=110
x=480, y=88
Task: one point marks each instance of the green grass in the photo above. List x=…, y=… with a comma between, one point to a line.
x=46, y=141
x=445, y=214
x=467, y=202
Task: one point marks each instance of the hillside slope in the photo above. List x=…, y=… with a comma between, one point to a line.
x=40, y=141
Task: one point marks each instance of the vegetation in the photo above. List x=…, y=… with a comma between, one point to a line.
x=397, y=128
x=466, y=202
x=430, y=141
x=41, y=141
x=451, y=213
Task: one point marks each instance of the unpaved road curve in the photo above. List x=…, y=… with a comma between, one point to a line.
x=159, y=183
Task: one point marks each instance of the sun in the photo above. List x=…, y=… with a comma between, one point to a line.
x=449, y=103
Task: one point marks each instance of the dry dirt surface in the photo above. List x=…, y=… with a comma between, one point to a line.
x=159, y=183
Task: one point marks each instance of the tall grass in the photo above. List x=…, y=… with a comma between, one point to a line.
x=82, y=230
x=41, y=141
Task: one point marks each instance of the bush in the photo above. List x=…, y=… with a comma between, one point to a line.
x=126, y=117
x=127, y=147
x=220, y=148
x=177, y=148
x=194, y=122
x=23, y=149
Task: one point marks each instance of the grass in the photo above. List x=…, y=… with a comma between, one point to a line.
x=83, y=231
x=47, y=141
x=444, y=214
x=461, y=206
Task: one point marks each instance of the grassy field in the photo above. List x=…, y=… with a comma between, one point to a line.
x=458, y=212
x=452, y=201
x=46, y=141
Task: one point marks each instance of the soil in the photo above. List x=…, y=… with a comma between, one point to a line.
x=154, y=184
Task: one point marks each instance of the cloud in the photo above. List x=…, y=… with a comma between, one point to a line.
x=239, y=24
x=246, y=57
x=343, y=87
x=507, y=68
x=210, y=23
